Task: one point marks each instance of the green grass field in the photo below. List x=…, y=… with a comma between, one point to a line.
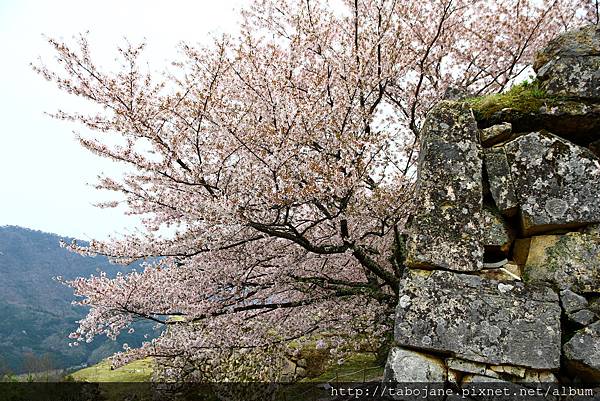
x=357, y=368
x=121, y=383
x=134, y=372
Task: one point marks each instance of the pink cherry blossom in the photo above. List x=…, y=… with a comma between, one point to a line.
x=281, y=164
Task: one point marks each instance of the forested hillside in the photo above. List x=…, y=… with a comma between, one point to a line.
x=37, y=311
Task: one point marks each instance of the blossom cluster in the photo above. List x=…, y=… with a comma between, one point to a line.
x=273, y=170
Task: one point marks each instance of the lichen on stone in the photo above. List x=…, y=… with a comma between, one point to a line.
x=446, y=229
x=566, y=262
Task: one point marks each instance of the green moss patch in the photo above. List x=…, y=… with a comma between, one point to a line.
x=526, y=97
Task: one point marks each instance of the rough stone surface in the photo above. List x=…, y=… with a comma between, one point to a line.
x=473, y=379
x=521, y=251
x=539, y=376
x=572, y=302
x=582, y=352
x=500, y=181
x=446, y=230
x=484, y=388
x=572, y=76
x=454, y=377
x=595, y=306
x=556, y=182
x=570, y=261
x=495, y=134
x=497, y=234
x=479, y=320
x=466, y=366
x=406, y=366
x=577, y=42
x=592, y=229
x=508, y=272
x=479, y=387
x=516, y=371
x=456, y=93
x=583, y=317
x=512, y=270
x=577, y=121
x=570, y=64
x=474, y=295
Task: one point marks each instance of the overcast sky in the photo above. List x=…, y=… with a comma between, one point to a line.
x=44, y=173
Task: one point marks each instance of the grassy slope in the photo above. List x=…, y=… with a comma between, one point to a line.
x=137, y=371
x=357, y=368
x=131, y=375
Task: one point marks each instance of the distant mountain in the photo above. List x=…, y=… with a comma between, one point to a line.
x=37, y=315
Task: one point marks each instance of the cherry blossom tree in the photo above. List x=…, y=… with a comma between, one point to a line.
x=273, y=170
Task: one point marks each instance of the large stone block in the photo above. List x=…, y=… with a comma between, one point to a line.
x=485, y=388
x=495, y=134
x=577, y=121
x=572, y=76
x=446, y=229
x=582, y=353
x=497, y=234
x=570, y=261
x=556, y=182
x=406, y=366
x=501, y=184
x=583, y=317
x=479, y=320
x=570, y=64
x=466, y=366
x=572, y=302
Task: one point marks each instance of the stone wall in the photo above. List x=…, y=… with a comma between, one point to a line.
x=503, y=252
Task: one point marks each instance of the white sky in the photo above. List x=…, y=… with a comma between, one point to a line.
x=44, y=173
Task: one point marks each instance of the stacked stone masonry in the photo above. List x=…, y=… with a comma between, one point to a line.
x=503, y=255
